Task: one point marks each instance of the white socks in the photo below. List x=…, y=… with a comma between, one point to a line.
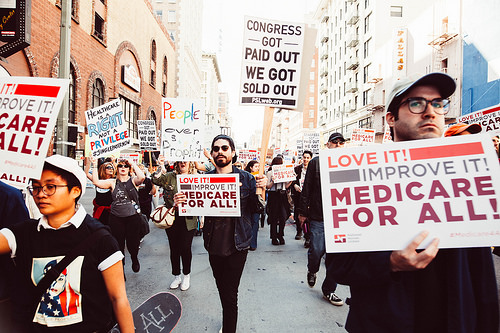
x=176, y=283
x=185, y=283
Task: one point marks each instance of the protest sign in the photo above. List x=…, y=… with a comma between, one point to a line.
x=271, y=65
x=147, y=134
x=131, y=157
x=488, y=118
x=210, y=195
x=283, y=173
x=300, y=147
x=108, y=132
x=387, y=134
x=28, y=113
x=311, y=142
x=182, y=129
x=380, y=197
x=362, y=136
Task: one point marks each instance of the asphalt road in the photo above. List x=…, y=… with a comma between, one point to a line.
x=273, y=294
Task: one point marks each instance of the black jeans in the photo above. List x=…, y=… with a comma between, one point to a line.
x=227, y=273
x=180, y=240
x=126, y=229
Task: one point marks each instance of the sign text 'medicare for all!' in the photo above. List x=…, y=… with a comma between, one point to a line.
x=210, y=195
x=380, y=197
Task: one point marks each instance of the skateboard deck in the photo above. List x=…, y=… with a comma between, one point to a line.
x=159, y=313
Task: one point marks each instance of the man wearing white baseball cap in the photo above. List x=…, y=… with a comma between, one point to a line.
x=430, y=290
x=86, y=293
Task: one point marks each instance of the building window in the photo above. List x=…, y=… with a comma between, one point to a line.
x=311, y=113
x=366, y=49
x=367, y=23
x=171, y=16
x=164, y=77
x=172, y=35
x=97, y=93
x=98, y=27
x=366, y=74
x=159, y=14
x=72, y=97
x=311, y=100
x=397, y=11
x=152, y=115
x=130, y=110
x=152, y=81
x=365, y=97
x=365, y=123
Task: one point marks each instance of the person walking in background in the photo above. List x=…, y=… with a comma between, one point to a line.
x=146, y=191
x=311, y=208
x=125, y=219
x=277, y=208
x=103, y=198
x=300, y=171
x=253, y=168
x=180, y=234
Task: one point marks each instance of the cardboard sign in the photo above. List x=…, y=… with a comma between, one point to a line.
x=283, y=173
x=108, y=131
x=380, y=197
x=210, y=195
x=271, y=65
x=362, y=136
x=147, y=134
x=182, y=129
x=28, y=113
x=311, y=142
x=488, y=118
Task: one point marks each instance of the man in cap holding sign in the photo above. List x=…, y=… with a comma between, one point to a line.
x=432, y=290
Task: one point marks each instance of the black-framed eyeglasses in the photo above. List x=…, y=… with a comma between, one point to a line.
x=122, y=166
x=418, y=105
x=217, y=148
x=48, y=189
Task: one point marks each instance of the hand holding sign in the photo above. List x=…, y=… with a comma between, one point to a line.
x=409, y=259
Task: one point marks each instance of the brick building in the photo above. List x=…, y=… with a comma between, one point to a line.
x=118, y=50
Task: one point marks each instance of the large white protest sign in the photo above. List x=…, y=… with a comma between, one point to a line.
x=283, y=173
x=311, y=142
x=108, y=132
x=488, y=118
x=182, y=129
x=362, y=136
x=210, y=195
x=271, y=65
x=380, y=197
x=147, y=134
x=28, y=113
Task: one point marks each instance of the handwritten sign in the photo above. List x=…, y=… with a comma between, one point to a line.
x=131, y=157
x=488, y=118
x=147, y=134
x=362, y=136
x=210, y=195
x=182, y=129
x=311, y=142
x=272, y=58
x=380, y=197
x=28, y=113
x=283, y=173
x=108, y=132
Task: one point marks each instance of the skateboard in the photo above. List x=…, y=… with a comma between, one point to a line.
x=159, y=313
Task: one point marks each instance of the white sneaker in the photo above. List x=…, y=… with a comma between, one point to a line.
x=185, y=283
x=176, y=283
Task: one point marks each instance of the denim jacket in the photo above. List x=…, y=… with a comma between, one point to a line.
x=243, y=226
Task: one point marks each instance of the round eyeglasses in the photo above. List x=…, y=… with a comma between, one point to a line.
x=418, y=105
x=48, y=189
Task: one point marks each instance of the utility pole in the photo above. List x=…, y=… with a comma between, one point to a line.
x=64, y=71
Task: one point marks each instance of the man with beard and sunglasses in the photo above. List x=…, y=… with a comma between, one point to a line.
x=410, y=290
x=227, y=239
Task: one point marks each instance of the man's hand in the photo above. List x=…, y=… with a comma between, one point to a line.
x=409, y=259
x=297, y=188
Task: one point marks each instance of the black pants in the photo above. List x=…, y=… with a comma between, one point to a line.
x=180, y=240
x=277, y=213
x=227, y=273
x=126, y=229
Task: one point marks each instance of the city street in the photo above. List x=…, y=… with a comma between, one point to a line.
x=273, y=294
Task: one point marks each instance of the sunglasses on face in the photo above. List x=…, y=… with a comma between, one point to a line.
x=109, y=167
x=337, y=142
x=123, y=166
x=217, y=148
